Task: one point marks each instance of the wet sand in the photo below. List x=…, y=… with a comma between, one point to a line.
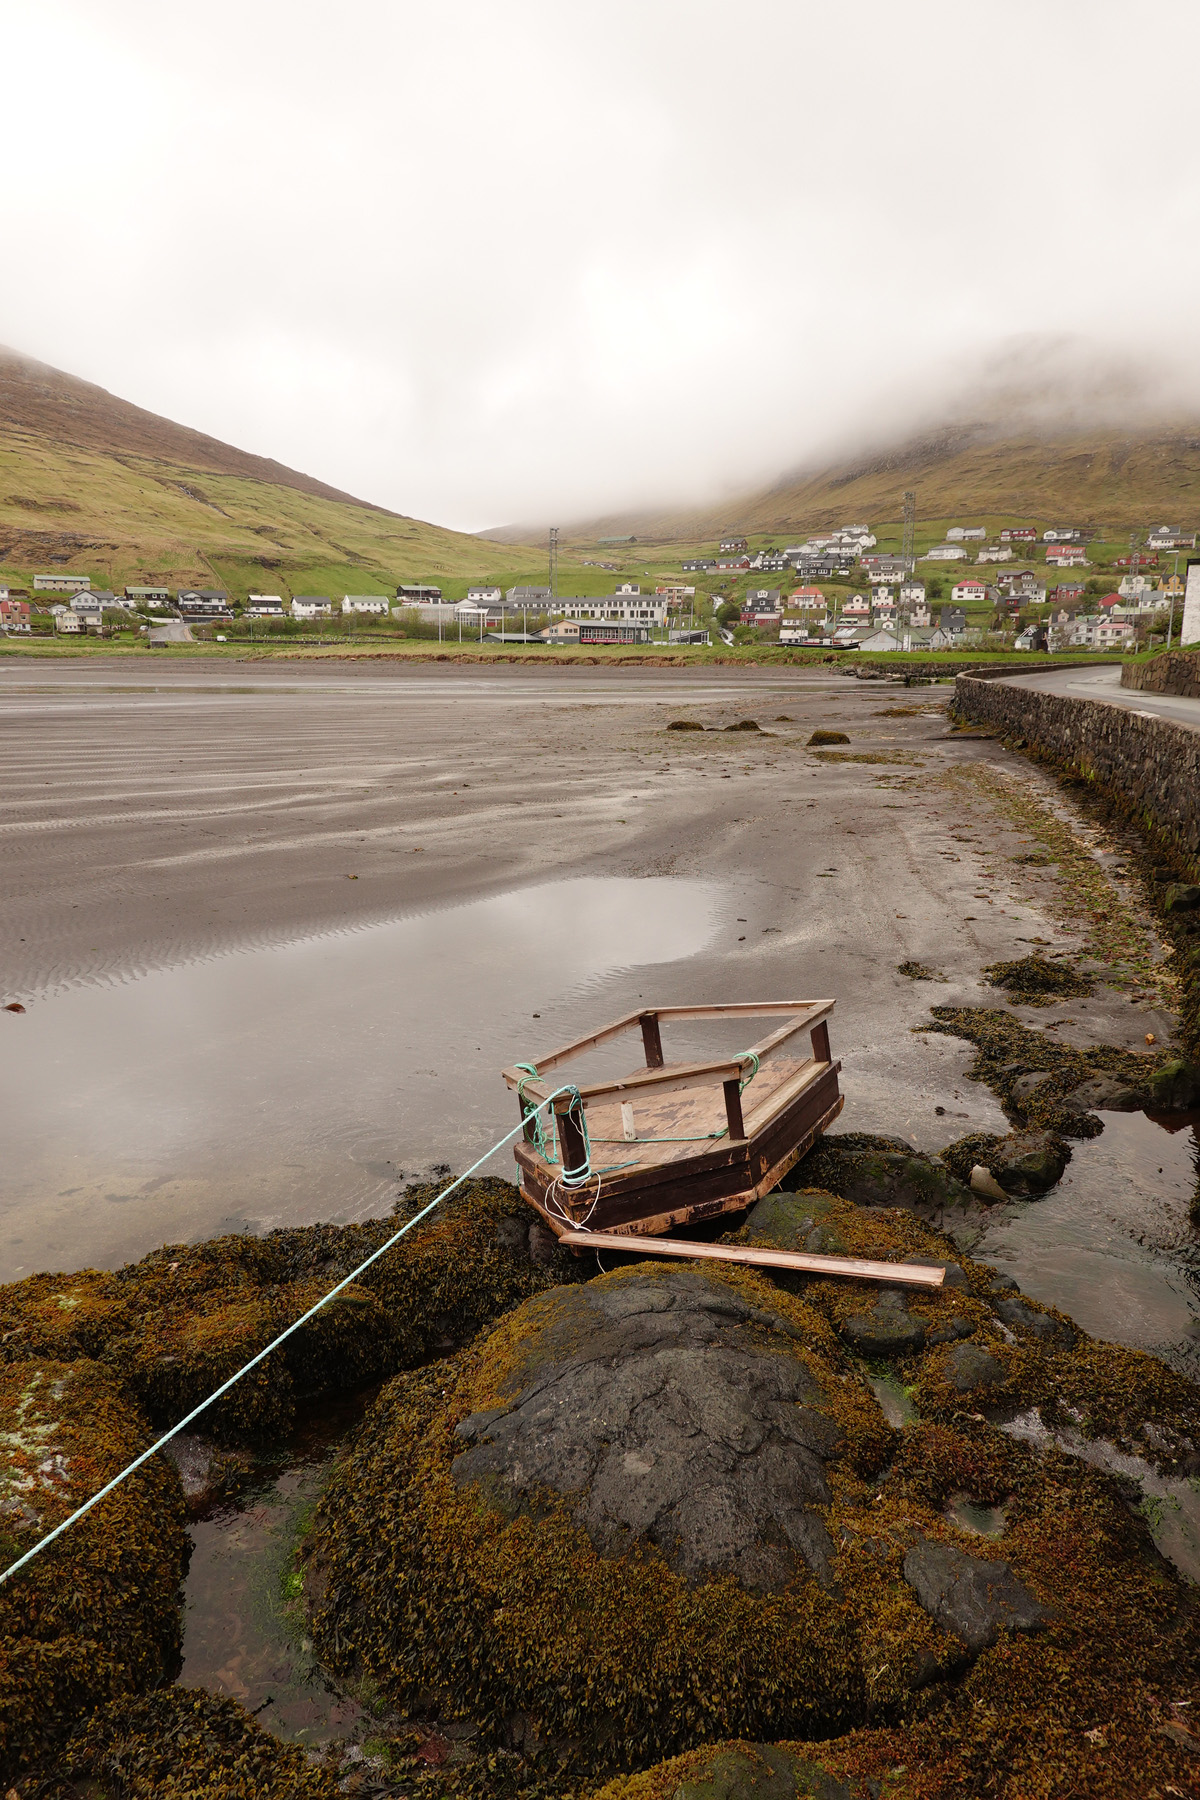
x=155, y=824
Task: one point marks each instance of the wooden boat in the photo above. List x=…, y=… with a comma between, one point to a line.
x=673, y=1143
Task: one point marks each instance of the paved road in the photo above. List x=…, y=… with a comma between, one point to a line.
x=1105, y=684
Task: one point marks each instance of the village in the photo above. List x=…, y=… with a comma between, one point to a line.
x=1061, y=589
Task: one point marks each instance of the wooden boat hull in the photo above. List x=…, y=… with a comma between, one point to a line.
x=651, y=1199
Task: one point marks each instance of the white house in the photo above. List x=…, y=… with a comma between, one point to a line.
x=994, y=553
x=1060, y=534
x=67, y=621
x=857, y=608
x=965, y=533
x=962, y=591
x=945, y=553
x=1131, y=587
x=883, y=639
x=675, y=594
x=623, y=607
x=264, y=606
x=800, y=630
x=1170, y=537
x=368, y=603
x=1066, y=556
x=61, y=584
x=311, y=606
x=485, y=593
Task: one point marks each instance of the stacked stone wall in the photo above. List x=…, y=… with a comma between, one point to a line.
x=1150, y=765
x=1174, y=672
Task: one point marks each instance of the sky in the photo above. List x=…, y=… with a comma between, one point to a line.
x=520, y=260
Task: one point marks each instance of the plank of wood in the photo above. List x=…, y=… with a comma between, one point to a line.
x=674, y=1075
x=852, y=1268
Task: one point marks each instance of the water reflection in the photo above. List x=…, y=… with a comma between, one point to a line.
x=1113, y=1244
x=301, y=1082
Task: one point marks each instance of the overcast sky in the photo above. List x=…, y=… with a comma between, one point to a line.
x=522, y=259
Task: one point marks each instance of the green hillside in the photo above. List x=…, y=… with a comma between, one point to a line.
x=92, y=485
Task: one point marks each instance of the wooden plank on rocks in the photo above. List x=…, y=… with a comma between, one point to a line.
x=853, y=1268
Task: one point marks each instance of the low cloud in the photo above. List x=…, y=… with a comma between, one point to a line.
x=488, y=262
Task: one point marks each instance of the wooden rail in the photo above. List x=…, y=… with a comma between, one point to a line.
x=852, y=1268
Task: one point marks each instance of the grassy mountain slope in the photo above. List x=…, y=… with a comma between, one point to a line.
x=90, y=484
x=1140, y=478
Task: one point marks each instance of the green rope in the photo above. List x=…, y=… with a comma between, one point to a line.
x=548, y=1151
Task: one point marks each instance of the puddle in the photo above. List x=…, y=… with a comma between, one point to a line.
x=893, y=1399
x=1112, y=1245
x=302, y=1082
x=242, y=1636
x=980, y=1521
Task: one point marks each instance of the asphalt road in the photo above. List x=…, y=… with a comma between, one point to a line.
x=1105, y=684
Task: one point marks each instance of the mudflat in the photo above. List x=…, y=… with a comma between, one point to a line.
x=277, y=929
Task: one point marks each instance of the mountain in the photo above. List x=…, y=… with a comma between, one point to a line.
x=92, y=484
x=984, y=470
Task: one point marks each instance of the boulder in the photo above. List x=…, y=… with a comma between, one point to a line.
x=1029, y=1163
x=764, y=1772
x=969, y=1366
x=1020, y=1316
x=887, y=1330
x=668, y=1426
x=971, y=1596
x=1181, y=896
x=889, y=1177
x=1104, y=1093
x=1173, y=1087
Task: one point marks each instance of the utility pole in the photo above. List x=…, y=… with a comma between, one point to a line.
x=553, y=565
x=908, y=547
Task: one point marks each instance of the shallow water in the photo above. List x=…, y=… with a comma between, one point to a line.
x=1112, y=1245
x=242, y=1634
x=305, y=1081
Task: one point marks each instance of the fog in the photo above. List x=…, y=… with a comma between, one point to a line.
x=519, y=260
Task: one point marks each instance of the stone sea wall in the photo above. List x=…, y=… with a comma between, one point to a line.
x=1174, y=672
x=1151, y=765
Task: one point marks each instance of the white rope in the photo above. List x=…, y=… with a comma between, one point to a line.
x=273, y=1345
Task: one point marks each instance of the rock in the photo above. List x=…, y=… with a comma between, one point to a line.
x=1029, y=1083
x=984, y=1183
x=1181, y=897
x=920, y=1184
x=969, y=1366
x=823, y=1240
x=685, y=725
x=1019, y=1315
x=764, y=1772
x=888, y=1330
x=1003, y=1284
x=970, y=1596
x=1104, y=1093
x=745, y=725
x=827, y=737
x=667, y=1424
x=1029, y=1162
x=948, y=1333
x=1174, y=1087
x=956, y=1275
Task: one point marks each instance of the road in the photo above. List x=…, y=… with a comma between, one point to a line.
x=1105, y=684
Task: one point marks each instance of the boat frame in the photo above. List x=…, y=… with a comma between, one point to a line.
x=732, y=1166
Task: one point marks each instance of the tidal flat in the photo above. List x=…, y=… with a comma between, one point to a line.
x=275, y=938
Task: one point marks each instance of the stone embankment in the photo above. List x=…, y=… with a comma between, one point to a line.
x=1175, y=672
x=1151, y=766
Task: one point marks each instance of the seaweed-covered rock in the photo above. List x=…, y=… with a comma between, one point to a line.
x=96, y=1614
x=1009, y=1053
x=185, y=1744
x=745, y=1772
x=1039, y=980
x=181, y=1321
x=886, y=1172
x=970, y=1366
x=888, y=1329
x=1174, y=1087
x=971, y=1596
x=613, y=1520
x=1025, y=1164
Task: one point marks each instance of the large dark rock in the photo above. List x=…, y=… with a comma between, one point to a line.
x=670, y=1423
x=895, y=1175
x=1105, y=1093
x=974, y=1598
x=1174, y=1087
x=1020, y=1316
